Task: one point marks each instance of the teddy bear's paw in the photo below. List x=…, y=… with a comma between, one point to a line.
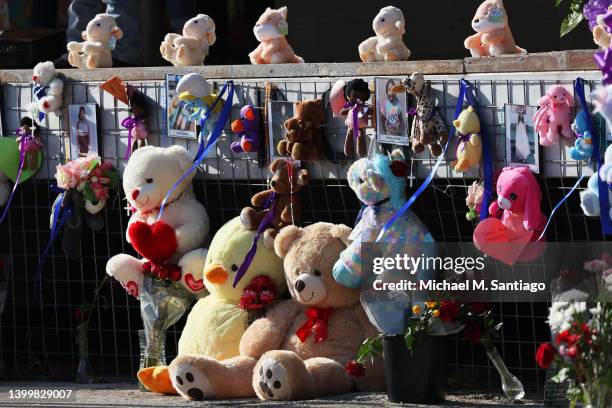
x=190, y=382
x=271, y=380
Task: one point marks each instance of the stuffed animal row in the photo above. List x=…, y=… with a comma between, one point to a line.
x=192, y=47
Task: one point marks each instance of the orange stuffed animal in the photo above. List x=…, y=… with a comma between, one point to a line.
x=493, y=36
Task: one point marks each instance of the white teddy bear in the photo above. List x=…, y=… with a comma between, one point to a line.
x=388, y=45
x=48, y=89
x=100, y=37
x=192, y=47
x=589, y=199
x=172, y=243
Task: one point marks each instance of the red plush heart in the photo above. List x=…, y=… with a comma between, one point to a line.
x=493, y=238
x=194, y=285
x=155, y=242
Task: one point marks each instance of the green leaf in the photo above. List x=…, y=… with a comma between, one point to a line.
x=558, y=2
x=88, y=194
x=561, y=376
x=570, y=22
x=114, y=178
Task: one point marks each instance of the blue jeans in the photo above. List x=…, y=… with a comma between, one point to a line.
x=127, y=13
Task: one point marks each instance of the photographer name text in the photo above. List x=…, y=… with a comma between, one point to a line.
x=469, y=285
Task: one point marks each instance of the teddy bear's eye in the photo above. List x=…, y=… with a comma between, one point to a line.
x=317, y=272
x=195, y=22
x=513, y=196
x=269, y=18
x=360, y=180
x=499, y=189
x=149, y=180
x=98, y=24
x=382, y=19
x=234, y=267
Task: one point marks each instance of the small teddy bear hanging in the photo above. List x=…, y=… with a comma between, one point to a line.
x=47, y=90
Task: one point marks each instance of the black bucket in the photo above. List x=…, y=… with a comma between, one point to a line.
x=418, y=376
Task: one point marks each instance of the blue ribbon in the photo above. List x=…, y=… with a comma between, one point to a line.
x=40, y=92
x=427, y=181
x=579, y=91
x=61, y=214
x=212, y=139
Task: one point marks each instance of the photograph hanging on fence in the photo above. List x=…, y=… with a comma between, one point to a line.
x=83, y=130
x=177, y=113
x=521, y=138
x=390, y=113
x=278, y=113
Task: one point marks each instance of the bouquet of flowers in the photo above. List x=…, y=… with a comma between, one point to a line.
x=84, y=186
x=581, y=347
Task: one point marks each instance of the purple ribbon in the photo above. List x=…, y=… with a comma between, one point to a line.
x=129, y=123
x=355, y=108
x=17, y=179
x=248, y=259
x=412, y=112
x=603, y=59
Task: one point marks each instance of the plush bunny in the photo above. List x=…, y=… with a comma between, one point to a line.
x=192, y=47
x=247, y=128
x=350, y=100
x=493, y=36
x=270, y=30
x=583, y=147
x=518, y=201
x=388, y=45
x=48, y=89
x=100, y=37
x=553, y=119
x=428, y=127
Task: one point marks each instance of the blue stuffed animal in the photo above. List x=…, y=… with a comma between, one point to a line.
x=380, y=184
x=583, y=148
x=589, y=198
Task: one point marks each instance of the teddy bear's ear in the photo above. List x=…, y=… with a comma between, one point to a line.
x=84, y=35
x=283, y=12
x=276, y=164
x=117, y=32
x=341, y=232
x=182, y=155
x=284, y=239
x=303, y=177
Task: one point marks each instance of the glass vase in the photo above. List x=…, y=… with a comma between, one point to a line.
x=510, y=384
x=84, y=374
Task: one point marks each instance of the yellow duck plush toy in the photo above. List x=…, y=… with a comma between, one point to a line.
x=469, y=149
x=216, y=322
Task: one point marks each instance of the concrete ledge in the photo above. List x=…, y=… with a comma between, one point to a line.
x=575, y=60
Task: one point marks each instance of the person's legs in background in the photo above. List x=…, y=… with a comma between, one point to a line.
x=128, y=15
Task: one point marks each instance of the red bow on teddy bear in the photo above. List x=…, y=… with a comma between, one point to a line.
x=318, y=318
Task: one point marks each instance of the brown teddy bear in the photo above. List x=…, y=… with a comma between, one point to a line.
x=287, y=207
x=300, y=348
x=303, y=138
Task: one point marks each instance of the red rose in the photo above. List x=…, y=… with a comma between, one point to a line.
x=545, y=355
x=355, y=369
x=175, y=274
x=472, y=331
x=448, y=311
x=572, y=352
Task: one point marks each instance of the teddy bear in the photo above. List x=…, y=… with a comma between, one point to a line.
x=493, y=36
x=469, y=148
x=553, y=119
x=270, y=30
x=583, y=147
x=172, y=242
x=428, y=127
x=589, y=198
x=300, y=348
x=387, y=45
x=192, y=47
x=285, y=184
x=100, y=37
x=48, y=89
x=303, y=137
x=601, y=36
x=350, y=100
x=380, y=185
x=217, y=322
x=247, y=128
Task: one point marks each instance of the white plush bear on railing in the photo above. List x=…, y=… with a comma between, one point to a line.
x=388, y=45
x=100, y=37
x=47, y=90
x=192, y=47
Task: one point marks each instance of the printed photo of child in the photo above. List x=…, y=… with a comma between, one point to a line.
x=83, y=130
x=521, y=140
x=391, y=113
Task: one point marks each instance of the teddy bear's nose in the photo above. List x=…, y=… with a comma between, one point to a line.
x=300, y=285
x=476, y=21
x=135, y=193
x=273, y=183
x=34, y=77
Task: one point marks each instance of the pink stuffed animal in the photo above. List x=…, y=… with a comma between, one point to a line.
x=270, y=30
x=518, y=199
x=554, y=118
